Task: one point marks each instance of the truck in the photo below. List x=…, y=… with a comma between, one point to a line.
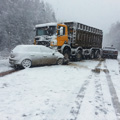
x=74, y=40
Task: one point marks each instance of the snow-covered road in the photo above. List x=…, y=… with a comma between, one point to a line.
x=86, y=90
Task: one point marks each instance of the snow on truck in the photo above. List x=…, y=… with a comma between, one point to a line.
x=74, y=40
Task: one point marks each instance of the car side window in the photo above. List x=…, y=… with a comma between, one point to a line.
x=46, y=50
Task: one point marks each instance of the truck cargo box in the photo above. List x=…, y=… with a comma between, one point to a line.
x=85, y=36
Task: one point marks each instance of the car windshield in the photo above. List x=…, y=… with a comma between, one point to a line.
x=51, y=30
x=109, y=48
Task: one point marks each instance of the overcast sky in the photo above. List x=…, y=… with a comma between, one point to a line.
x=97, y=13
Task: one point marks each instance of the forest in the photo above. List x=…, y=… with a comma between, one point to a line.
x=112, y=38
x=18, y=18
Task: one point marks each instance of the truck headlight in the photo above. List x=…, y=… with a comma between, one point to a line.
x=53, y=42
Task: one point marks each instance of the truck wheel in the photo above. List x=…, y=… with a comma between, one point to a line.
x=79, y=56
x=26, y=63
x=66, y=56
x=60, y=61
x=92, y=55
x=97, y=54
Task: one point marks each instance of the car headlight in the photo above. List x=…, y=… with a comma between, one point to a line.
x=12, y=56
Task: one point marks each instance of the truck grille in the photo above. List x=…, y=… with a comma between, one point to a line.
x=43, y=43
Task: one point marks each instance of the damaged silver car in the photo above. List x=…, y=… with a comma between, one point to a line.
x=32, y=55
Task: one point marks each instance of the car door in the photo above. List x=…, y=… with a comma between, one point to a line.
x=36, y=56
x=48, y=56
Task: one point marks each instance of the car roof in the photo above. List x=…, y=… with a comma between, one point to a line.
x=108, y=48
x=32, y=46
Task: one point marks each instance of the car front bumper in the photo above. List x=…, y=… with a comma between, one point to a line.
x=14, y=62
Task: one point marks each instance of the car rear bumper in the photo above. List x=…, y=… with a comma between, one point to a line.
x=109, y=56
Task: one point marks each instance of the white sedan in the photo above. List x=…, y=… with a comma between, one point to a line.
x=32, y=55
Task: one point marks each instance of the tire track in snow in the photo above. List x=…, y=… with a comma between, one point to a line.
x=8, y=72
x=79, y=99
x=99, y=99
x=119, y=65
x=78, y=102
x=114, y=97
x=100, y=110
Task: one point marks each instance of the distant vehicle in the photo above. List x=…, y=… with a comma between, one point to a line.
x=109, y=52
x=32, y=55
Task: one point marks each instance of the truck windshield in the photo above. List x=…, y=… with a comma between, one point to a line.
x=51, y=30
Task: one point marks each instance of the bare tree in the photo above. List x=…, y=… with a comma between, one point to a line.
x=113, y=37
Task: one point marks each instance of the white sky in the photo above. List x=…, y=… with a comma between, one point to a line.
x=97, y=13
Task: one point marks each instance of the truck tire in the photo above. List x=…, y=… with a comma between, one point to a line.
x=92, y=55
x=79, y=56
x=66, y=56
x=97, y=54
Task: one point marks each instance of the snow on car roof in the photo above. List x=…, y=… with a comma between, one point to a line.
x=109, y=49
x=35, y=48
x=29, y=47
x=46, y=24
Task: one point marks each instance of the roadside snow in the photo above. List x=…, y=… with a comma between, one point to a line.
x=4, y=64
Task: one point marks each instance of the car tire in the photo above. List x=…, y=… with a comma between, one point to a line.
x=115, y=57
x=59, y=61
x=26, y=63
x=16, y=67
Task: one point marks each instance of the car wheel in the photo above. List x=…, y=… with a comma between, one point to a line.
x=16, y=67
x=60, y=61
x=115, y=57
x=26, y=63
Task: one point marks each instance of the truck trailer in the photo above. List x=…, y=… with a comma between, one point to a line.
x=74, y=40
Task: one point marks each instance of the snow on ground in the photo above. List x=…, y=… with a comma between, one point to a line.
x=68, y=92
x=4, y=64
x=40, y=93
